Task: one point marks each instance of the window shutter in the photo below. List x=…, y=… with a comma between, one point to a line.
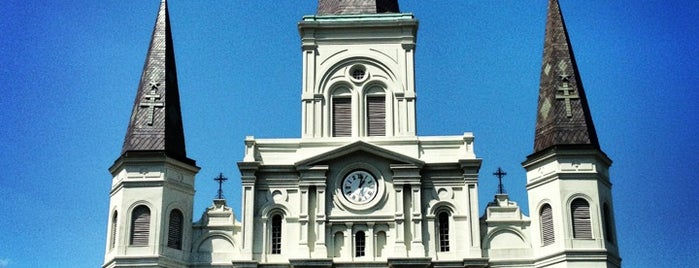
x=174, y=234
x=114, y=231
x=342, y=117
x=582, y=228
x=140, y=226
x=547, y=233
x=376, y=116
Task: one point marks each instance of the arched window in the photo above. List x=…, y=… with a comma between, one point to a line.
x=174, y=232
x=359, y=244
x=547, y=233
x=276, y=234
x=443, y=226
x=341, y=113
x=140, y=226
x=375, y=112
x=608, y=230
x=113, y=233
x=580, y=211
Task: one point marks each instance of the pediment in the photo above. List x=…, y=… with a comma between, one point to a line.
x=360, y=147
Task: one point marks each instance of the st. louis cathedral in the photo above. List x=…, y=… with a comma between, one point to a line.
x=359, y=188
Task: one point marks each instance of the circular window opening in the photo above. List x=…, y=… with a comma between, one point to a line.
x=358, y=72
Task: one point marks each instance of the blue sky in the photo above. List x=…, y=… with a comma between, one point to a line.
x=69, y=71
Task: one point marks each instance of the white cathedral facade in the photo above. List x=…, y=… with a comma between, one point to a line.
x=359, y=188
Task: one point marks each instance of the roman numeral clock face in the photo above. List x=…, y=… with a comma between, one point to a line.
x=359, y=187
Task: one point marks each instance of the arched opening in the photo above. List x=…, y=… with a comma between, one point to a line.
x=140, y=226
x=175, y=226
x=443, y=228
x=582, y=226
x=341, y=112
x=113, y=233
x=547, y=232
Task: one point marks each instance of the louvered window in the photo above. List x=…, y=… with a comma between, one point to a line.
x=276, y=234
x=376, y=115
x=174, y=232
x=113, y=235
x=580, y=210
x=443, y=232
x=608, y=231
x=547, y=234
x=342, y=117
x=140, y=226
x=360, y=244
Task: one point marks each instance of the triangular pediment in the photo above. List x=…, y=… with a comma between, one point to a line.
x=359, y=146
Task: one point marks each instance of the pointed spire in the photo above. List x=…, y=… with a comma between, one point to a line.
x=563, y=116
x=156, y=121
x=338, y=7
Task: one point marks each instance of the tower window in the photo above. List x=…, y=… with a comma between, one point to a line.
x=443, y=223
x=174, y=233
x=276, y=234
x=359, y=244
x=582, y=227
x=342, y=117
x=140, y=226
x=547, y=233
x=376, y=115
x=113, y=234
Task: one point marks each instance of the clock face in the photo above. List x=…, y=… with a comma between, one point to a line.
x=359, y=187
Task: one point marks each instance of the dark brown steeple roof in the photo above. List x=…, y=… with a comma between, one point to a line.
x=338, y=7
x=563, y=116
x=156, y=120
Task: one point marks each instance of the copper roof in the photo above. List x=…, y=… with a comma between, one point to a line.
x=338, y=7
x=156, y=120
x=563, y=116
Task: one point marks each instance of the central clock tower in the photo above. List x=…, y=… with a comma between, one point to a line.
x=360, y=186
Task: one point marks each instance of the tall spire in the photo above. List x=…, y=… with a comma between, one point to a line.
x=337, y=7
x=563, y=116
x=156, y=120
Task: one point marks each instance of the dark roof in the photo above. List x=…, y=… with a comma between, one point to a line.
x=338, y=7
x=563, y=115
x=156, y=120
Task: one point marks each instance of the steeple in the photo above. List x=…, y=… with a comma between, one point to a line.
x=339, y=7
x=156, y=121
x=563, y=116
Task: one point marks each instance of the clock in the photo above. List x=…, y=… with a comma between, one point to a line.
x=359, y=187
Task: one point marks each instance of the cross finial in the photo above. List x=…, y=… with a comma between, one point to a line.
x=500, y=173
x=220, y=179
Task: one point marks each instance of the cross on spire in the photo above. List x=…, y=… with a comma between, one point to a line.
x=500, y=173
x=220, y=179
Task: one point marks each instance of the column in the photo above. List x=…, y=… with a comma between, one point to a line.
x=417, y=249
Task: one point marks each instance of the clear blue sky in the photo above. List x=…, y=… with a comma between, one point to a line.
x=69, y=71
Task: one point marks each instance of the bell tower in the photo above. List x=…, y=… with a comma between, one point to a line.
x=151, y=198
x=568, y=183
x=358, y=70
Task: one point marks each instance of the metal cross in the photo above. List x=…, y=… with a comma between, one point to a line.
x=151, y=103
x=220, y=179
x=500, y=173
x=567, y=95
